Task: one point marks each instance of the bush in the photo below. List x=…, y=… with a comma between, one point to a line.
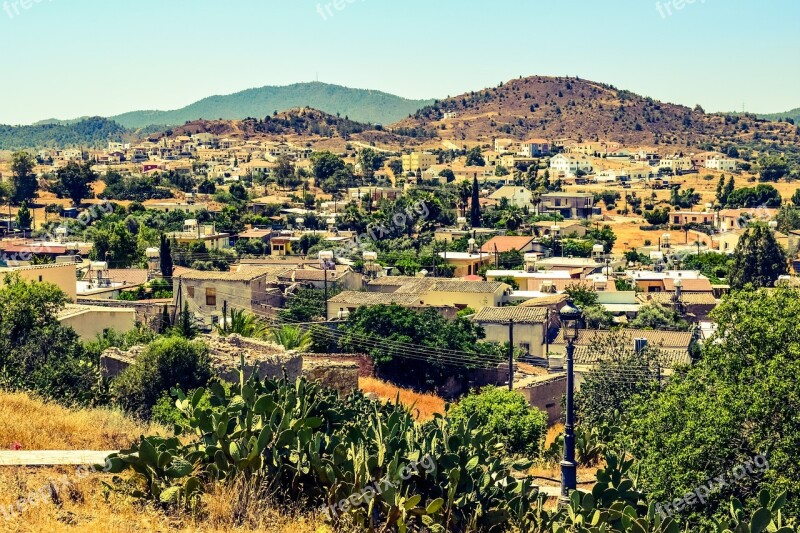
x=166, y=363
x=507, y=415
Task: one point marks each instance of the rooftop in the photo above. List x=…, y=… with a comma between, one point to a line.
x=502, y=315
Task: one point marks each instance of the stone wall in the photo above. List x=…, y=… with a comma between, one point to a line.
x=267, y=359
x=366, y=366
x=545, y=393
x=341, y=376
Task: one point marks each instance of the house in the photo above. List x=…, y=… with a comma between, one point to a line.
x=445, y=295
x=505, y=145
x=89, y=321
x=722, y=164
x=676, y=164
x=568, y=205
x=534, y=148
x=515, y=195
x=565, y=228
x=207, y=292
x=529, y=326
x=698, y=305
x=62, y=275
x=466, y=263
x=570, y=164
x=674, y=345
x=682, y=218
x=418, y=161
x=504, y=243
x=205, y=233
x=731, y=219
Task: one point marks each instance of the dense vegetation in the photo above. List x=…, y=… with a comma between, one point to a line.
x=84, y=133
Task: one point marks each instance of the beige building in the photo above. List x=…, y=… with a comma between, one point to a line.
x=62, y=275
x=465, y=263
x=89, y=321
x=529, y=326
x=418, y=161
x=207, y=292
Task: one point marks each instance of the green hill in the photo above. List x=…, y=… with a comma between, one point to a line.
x=87, y=132
x=794, y=115
x=360, y=105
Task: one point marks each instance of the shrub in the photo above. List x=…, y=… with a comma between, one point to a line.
x=167, y=362
x=507, y=415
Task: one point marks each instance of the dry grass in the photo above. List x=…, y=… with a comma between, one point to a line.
x=37, y=425
x=424, y=405
x=57, y=499
x=78, y=504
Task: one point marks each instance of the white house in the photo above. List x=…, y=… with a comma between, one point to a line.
x=723, y=164
x=516, y=196
x=570, y=164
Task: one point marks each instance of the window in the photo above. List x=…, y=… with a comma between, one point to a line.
x=211, y=296
x=190, y=291
x=524, y=346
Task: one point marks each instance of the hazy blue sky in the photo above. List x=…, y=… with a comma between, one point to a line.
x=68, y=58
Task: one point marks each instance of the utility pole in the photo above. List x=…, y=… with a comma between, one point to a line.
x=511, y=354
x=225, y=316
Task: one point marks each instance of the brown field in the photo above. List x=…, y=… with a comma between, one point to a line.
x=61, y=499
x=423, y=405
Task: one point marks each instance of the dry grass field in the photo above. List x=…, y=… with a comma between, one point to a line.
x=63, y=499
x=423, y=405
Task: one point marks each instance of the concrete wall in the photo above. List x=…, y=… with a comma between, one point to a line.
x=90, y=321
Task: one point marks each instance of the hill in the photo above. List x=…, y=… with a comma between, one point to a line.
x=357, y=104
x=794, y=115
x=89, y=132
x=294, y=123
x=585, y=111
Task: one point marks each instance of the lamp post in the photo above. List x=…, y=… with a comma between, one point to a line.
x=570, y=324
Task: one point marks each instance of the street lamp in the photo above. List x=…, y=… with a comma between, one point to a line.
x=570, y=324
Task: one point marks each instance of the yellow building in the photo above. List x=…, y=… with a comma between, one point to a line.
x=62, y=275
x=418, y=161
x=89, y=321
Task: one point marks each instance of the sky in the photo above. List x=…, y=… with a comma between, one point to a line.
x=70, y=58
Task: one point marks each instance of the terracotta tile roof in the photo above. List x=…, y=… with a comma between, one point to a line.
x=520, y=315
x=375, y=298
x=545, y=301
x=658, y=338
x=504, y=243
x=244, y=275
x=690, y=298
x=467, y=286
x=689, y=285
x=671, y=357
x=393, y=281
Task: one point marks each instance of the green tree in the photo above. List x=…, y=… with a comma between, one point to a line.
x=115, y=244
x=475, y=158
x=730, y=407
x=165, y=257
x=796, y=198
x=75, y=180
x=24, y=181
x=285, y=172
x=507, y=415
x=758, y=259
x=166, y=362
x=761, y=195
x=390, y=334
x=620, y=375
x=240, y=322
x=475, y=205
x=396, y=166
x=772, y=168
x=325, y=165
x=656, y=315
x=657, y=217
x=291, y=338
x=37, y=353
x=24, y=217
